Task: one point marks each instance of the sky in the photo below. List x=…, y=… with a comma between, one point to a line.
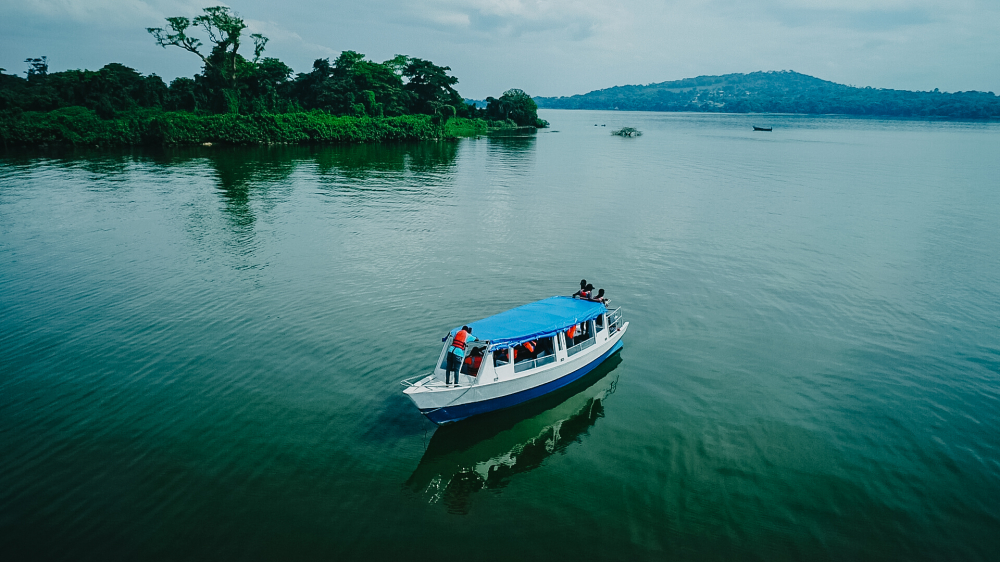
x=550, y=47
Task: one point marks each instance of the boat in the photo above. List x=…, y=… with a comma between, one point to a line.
x=500, y=371
x=756, y=128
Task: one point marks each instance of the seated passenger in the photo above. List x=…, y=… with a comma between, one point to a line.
x=524, y=352
x=583, y=287
x=500, y=357
x=600, y=298
x=474, y=361
x=585, y=292
x=570, y=333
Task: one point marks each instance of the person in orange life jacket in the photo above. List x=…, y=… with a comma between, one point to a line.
x=456, y=353
x=529, y=346
x=583, y=289
x=474, y=361
x=570, y=333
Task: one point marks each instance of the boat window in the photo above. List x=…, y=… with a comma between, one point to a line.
x=501, y=357
x=533, y=354
x=599, y=322
x=581, y=332
x=546, y=347
x=583, y=339
x=473, y=362
x=529, y=351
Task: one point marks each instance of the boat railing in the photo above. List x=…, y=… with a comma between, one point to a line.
x=526, y=365
x=411, y=381
x=614, y=320
x=580, y=346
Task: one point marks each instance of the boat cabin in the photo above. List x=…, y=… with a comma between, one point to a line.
x=530, y=338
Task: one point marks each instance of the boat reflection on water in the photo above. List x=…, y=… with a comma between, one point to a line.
x=487, y=451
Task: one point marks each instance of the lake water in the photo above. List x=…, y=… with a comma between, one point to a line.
x=200, y=348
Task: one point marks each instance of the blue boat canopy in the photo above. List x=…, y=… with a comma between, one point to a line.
x=540, y=319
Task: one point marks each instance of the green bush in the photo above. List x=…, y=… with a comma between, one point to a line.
x=82, y=126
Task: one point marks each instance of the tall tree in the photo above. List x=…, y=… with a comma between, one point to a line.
x=37, y=68
x=224, y=29
x=224, y=66
x=430, y=87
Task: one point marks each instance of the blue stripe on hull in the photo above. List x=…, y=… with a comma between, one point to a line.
x=462, y=411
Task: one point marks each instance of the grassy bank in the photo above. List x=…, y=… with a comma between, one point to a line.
x=80, y=126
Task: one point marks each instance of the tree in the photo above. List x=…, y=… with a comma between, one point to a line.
x=224, y=66
x=329, y=86
x=267, y=86
x=517, y=106
x=383, y=85
x=182, y=95
x=430, y=87
x=352, y=85
x=224, y=29
x=37, y=68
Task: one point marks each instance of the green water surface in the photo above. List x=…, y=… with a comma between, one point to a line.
x=200, y=349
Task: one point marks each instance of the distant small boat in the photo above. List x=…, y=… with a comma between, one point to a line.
x=756, y=128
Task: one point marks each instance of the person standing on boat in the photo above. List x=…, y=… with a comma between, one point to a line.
x=584, y=292
x=456, y=353
x=583, y=287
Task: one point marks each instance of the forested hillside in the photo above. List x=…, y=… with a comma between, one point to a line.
x=780, y=92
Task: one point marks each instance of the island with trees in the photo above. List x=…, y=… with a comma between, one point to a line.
x=781, y=92
x=244, y=97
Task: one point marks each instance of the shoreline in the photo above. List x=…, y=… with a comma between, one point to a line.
x=79, y=126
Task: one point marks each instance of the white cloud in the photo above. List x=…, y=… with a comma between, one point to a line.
x=280, y=36
x=104, y=11
x=573, y=20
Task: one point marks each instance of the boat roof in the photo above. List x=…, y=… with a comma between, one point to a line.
x=540, y=319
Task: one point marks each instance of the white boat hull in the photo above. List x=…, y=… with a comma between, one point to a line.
x=492, y=391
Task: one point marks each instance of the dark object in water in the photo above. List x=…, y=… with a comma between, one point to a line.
x=756, y=128
x=627, y=132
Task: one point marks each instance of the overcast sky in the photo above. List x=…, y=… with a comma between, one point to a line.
x=551, y=47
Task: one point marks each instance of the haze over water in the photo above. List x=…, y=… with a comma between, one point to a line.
x=200, y=348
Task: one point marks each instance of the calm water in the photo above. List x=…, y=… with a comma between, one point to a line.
x=200, y=348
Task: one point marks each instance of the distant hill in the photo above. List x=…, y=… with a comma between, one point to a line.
x=780, y=92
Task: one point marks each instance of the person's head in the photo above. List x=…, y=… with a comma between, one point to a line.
x=600, y=293
x=467, y=329
x=589, y=287
x=583, y=284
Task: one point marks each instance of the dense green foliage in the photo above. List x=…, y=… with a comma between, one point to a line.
x=780, y=92
x=516, y=106
x=84, y=127
x=242, y=100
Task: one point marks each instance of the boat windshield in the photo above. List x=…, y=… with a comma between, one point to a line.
x=501, y=357
x=473, y=349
